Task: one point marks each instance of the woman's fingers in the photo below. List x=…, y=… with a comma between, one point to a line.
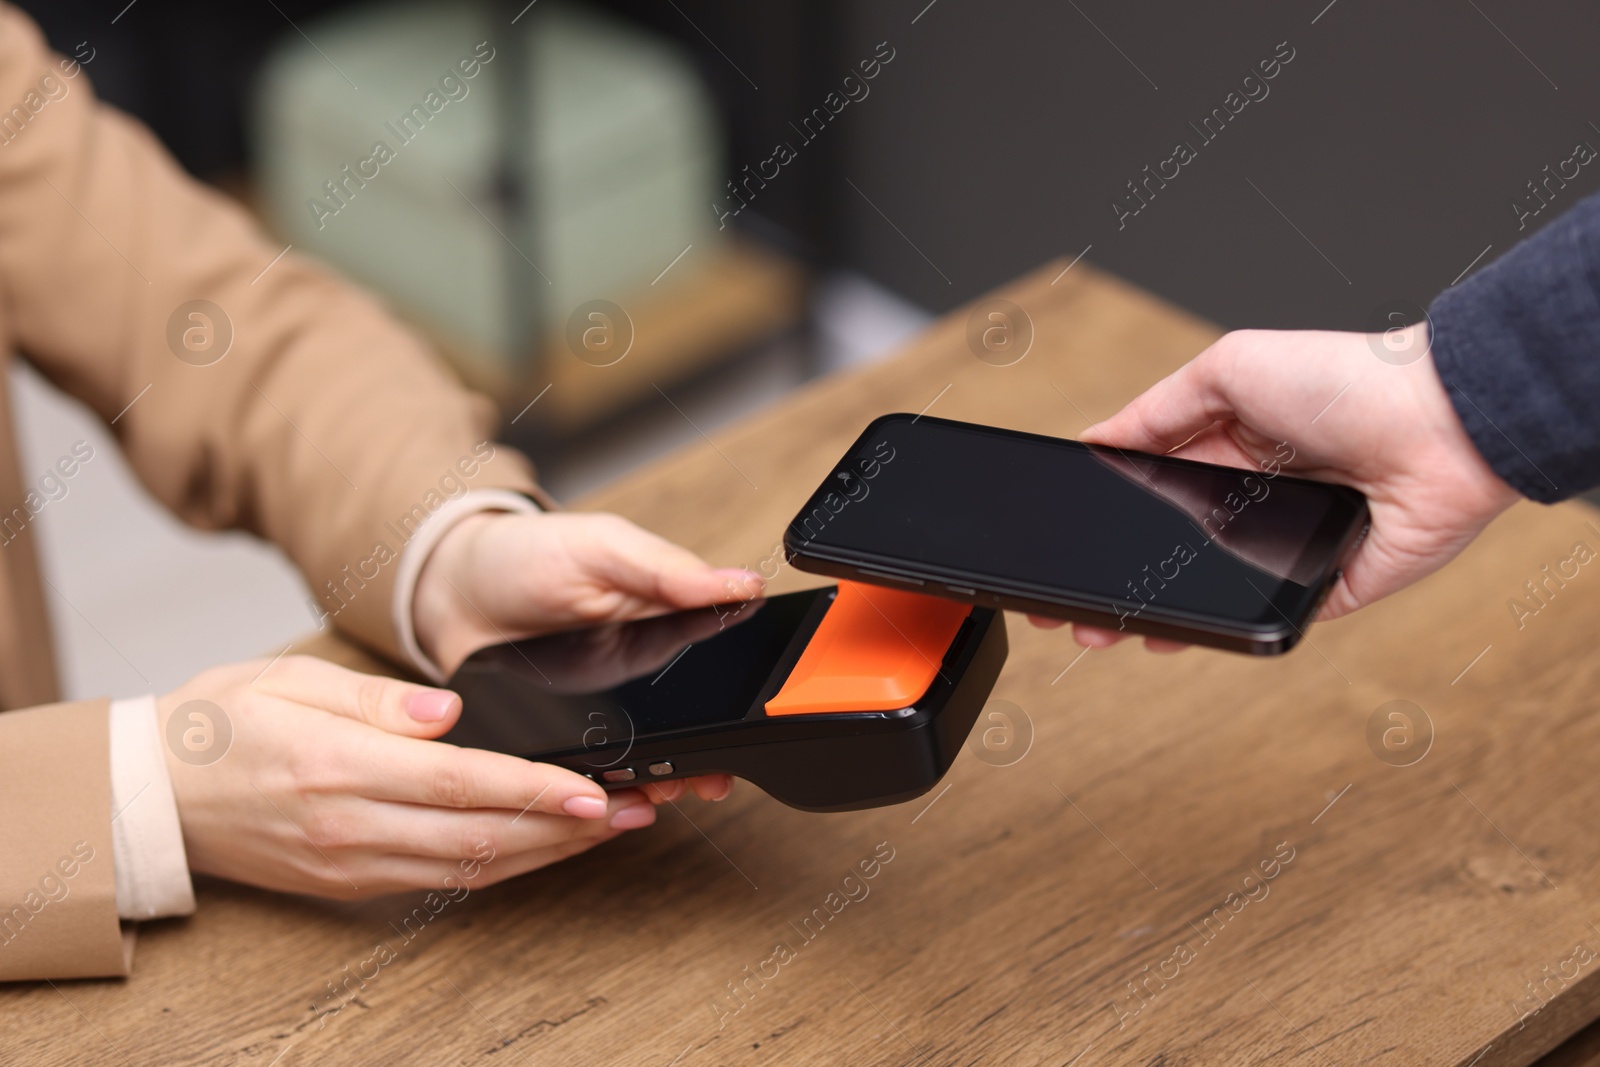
x=1095, y=636
x=655, y=570
x=712, y=786
x=706, y=787
x=665, y=792
x=387, y=703
x=450, y=834
x=413, y=771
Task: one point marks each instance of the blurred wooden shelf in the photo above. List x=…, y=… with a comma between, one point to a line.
x=718, y=301
x=708, y=308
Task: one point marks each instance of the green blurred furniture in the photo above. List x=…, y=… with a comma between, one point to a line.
x=489, y=215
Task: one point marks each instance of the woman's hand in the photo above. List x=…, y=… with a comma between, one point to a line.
x=330, y=786
x=498, y=577
x=1388, y=430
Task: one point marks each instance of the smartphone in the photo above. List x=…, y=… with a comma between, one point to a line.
x=1237, y=559
x=700, y=692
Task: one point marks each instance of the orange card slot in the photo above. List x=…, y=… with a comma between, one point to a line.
x=876, y=649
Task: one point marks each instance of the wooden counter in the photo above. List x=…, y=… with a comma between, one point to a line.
x=1031, y=913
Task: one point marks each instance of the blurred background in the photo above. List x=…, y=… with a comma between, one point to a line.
x=738, y=197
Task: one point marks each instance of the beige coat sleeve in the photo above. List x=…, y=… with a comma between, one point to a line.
x=292, y=406
x=288, y=404
x=58, y=891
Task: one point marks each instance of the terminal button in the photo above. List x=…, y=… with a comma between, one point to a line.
x=661, y=768
x=621, y=774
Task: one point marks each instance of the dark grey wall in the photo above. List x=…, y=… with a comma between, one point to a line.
x=1003, y=130
x=1395, y=140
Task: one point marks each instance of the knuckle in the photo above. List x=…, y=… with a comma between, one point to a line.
x=370, y=692
x=478, y=836
x=307, y=766
x=327, y=829
x=451, y=786
x=245, y=701
x=1228, y=345
x=313, y=771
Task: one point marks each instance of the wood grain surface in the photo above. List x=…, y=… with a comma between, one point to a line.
x=1196, y=859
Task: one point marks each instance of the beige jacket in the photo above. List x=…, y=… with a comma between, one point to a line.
x=323, y=426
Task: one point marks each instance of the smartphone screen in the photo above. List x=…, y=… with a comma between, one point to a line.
x=1147, y=542
x=591, y=690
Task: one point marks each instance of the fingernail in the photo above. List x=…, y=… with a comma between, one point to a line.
x=727, y=787
x=585, y=807
x=739, y=574
x=430, y=705
x=633, y=818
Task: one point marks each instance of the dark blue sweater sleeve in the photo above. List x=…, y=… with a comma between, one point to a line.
x=1518, y=348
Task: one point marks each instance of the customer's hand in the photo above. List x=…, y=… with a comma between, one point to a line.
x=1391, y=433
x=499, y=577
x=329, y=786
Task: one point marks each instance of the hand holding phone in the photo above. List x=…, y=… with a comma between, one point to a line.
x=1132, y=542
x=1357, y=413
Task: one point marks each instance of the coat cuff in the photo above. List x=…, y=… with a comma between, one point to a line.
x=58, y=909
x=354, y=581
x=422, y=545
x=152, y=868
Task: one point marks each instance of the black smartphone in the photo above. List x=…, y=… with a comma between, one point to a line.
x=1238, y=559
x=703, y=692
